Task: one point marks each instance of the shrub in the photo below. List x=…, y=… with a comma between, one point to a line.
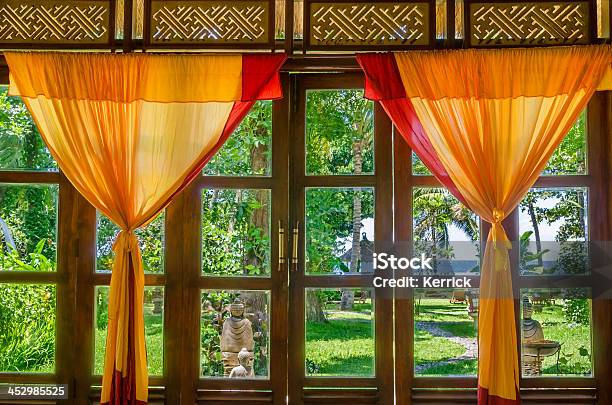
x=576, y=310
x=27, y=327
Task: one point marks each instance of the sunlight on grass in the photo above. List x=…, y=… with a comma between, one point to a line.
x=344, y=345
x=440, y=310
x=428, y=348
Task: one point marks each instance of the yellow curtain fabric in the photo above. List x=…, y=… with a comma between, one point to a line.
x=127, y=131
x=494, y=118
x=139, y=76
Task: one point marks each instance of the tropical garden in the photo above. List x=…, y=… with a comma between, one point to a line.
x=235, y=229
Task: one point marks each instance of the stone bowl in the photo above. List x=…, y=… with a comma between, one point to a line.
x=542, y=348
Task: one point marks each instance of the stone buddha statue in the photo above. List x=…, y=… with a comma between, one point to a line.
x=236, y=335
x=244, y=369
x=532, y=330
x=532, y=333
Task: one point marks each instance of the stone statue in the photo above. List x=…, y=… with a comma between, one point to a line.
x=532, y=333
x=245, y=369
x=532, y=330
x=237, y=335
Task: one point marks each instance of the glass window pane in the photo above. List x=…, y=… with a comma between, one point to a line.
x=27, y=328
x=339, y=332
x=339, y=230
x=150, y=238
x=418, y=167
x=553, y=231
x=28, y=227
x=21, y=146
x=570, y=157
x=154, y=328
x=556, y=332
x=248, y=151
x=339, y=132
x=230, y=322
x=445, y=230
x=445, y=332
x=236, y=232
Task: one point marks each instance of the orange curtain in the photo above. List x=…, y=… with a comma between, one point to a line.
x=129, y=132
x=491, y=119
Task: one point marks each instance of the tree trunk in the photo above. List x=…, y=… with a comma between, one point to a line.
x=259, y=219
x=356, y=243
x=348, y=295
x=314, y=307
x=536, y=231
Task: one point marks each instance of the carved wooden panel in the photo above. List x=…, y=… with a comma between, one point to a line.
x=54, y=22
x=348, y=24
x=529, y=23
x=210, y=22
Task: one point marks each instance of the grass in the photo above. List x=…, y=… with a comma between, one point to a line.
x=453, y=318
x=342, y=346
x=462, y=367
x=571, y=336
x=428, y=348
x=153, y=337
x=441, y=310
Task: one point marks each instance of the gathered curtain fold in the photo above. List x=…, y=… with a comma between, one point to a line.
x=130, y=132
x=485, y=122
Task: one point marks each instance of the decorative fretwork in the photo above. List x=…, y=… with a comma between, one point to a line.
x=521, y=23
x=54, y=22
x=369, y=24
x=222, y=22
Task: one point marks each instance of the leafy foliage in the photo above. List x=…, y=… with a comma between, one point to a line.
x=567, y=209
x=338, y=121
x=329, y=213
x=233, y=241
x=252, y=137
x=27, y=327
x=434, y=211
x=21, y=146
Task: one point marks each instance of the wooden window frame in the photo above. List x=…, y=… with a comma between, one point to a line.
x=378, y=387
x=76, y=279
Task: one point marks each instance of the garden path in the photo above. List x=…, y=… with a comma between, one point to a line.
x=470, y=345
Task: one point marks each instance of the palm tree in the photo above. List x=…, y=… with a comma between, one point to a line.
x=434, y=211
x=362, y=127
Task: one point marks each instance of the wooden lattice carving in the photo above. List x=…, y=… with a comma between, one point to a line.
x=525, y=23
x=230, y=22
x=44, y=22
x=372, y=23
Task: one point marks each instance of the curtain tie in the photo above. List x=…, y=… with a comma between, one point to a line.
x=126, y=238
x=498, y=216
x=498, y=233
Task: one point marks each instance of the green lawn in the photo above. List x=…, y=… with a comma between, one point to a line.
x=428, y=348
x=345, y=345
x=440, y=310
x=342, y=346
x=572, y=337
x=153, y=338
